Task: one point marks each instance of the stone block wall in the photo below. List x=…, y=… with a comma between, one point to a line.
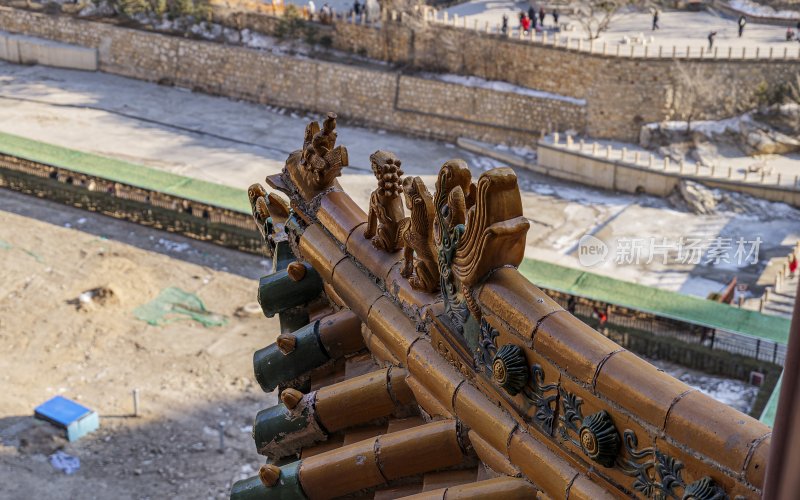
x=375, y=97
x=621, y=92
x=29, y=50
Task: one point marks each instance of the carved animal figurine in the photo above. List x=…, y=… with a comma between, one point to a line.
x=314, y=168
x=385, y=206
x=323, y=141
x=269, y=213
x=420, y=255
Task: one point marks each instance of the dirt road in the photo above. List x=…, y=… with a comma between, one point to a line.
x=191, y=378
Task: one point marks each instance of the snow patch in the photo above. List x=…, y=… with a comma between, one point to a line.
x=758, y=10
x=706, y=127
x=474, y=81
x=173, y=246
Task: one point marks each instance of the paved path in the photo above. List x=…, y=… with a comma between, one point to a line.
x=678, y=28
x=237, y=143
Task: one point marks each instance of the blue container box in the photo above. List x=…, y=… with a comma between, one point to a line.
x=75, y=419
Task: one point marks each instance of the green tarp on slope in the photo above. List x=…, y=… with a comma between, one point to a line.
x=126, y=173
x=656, y=301
x=564, y=279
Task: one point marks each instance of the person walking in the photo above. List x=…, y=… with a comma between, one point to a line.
x=504, y=28
x=555, y=17
x=742, y=22
x=532, y=15
x=655, y=20
x=525, y=23
x=312, y=9
x=711, y=39
x=792, y=265
x=541, y=16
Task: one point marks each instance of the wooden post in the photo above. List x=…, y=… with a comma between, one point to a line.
x=650, y=163
x=758, y=49
x=674, y=50
x=555, y=138
x=636, y=157
x=624, y=153
x=713, y=170
x=730, y=52
x=666, y=162
x=617, y=50
x=702, y=52
x=778, y=181
x=645, y=50
x=785, y=52
x=744, y=51
x=605, y=47
x=770, y=52
x=569, y=141
x=594, y=149
x=715, y=52
x=609, y=149
x=136, y=402
x=681, y=165
x=591, y=46
x=632, y=48
x=660, y=50
x=688, y=51
x=544, y=37
x=762, y=176
x=730, y=171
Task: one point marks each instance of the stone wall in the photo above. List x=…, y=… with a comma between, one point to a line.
x=621, y=92
x=565, y=162
x=29, y=50
x=376, y=97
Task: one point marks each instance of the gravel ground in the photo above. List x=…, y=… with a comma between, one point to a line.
x=190, y=378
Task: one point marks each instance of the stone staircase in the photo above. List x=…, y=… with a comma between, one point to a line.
x=779, y=296
x=779, y=300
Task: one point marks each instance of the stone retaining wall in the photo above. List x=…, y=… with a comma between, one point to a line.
x=622, y=91
x=28, y=50
x=375, y=97
x=566, y=162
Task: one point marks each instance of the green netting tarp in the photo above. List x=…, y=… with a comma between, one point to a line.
x=174, y=304
x=655, y=301
x=771, y=408
x=125, y=173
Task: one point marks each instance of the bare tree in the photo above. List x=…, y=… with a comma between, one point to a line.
x=695, y=92
x=595, y=15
